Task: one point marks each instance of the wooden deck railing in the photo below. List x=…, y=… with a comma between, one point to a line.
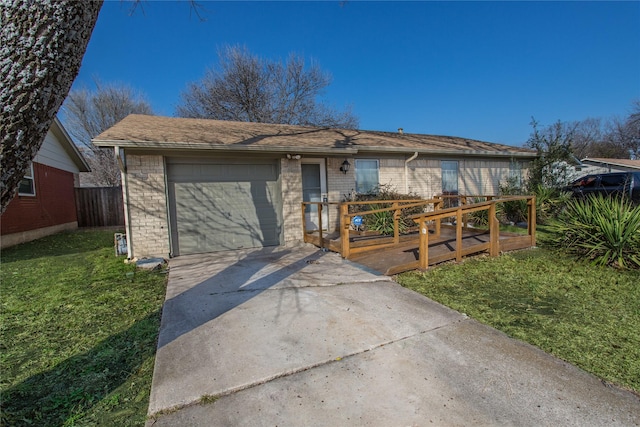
x=346, y=218
x=493, y=246
x=320, y=208
x=350, y=242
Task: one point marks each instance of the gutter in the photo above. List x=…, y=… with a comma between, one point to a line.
x=468, y=153
x=406, y=172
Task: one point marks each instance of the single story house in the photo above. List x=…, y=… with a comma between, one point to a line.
x=602, y=165
x=196, y=185
x=45, y=203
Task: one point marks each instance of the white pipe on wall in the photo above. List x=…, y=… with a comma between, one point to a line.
x=406, y=172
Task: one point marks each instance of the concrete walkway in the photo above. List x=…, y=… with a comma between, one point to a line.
x=300, y=337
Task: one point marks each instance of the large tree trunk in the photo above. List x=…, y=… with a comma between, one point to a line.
x=42, y=43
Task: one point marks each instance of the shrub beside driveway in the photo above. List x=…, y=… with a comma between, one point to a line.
x=78, y=333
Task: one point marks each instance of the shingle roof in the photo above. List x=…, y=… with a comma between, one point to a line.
x=156, y=132
x=614, y=162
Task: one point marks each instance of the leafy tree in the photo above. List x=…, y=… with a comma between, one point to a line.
x=553, y=144
x=88, y=113
x=247, y=88
x=41, y=48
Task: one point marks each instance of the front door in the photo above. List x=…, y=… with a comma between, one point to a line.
x=314, y=189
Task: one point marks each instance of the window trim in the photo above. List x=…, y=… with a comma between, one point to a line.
x=377, y=184
x=442, y=162
x=31, y=177
x=515, y=173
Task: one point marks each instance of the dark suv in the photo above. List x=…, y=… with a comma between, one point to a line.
x=618, y=183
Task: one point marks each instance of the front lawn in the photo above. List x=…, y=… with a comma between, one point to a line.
x=587, y=315
x=78, y=332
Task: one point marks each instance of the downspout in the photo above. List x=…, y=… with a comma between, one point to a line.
x=125, y=197
x=406, y=172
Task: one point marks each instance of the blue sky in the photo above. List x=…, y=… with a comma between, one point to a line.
x=475, y=69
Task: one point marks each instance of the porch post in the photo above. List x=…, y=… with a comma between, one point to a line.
x=532, y=219
x=436, y=207
x=424, y=243
x=304, y=224
x=344, y=229
x=494, y=232
x=396, y=227
x=320, y=224
x=459, y=220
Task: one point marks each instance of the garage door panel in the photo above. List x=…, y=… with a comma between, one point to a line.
x=222, y=172
x=238, y=206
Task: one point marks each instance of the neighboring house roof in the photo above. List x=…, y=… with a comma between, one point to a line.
x=69, y=147
x=156, y=132
x=625, y=163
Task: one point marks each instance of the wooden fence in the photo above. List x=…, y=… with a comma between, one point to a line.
x=99, y=206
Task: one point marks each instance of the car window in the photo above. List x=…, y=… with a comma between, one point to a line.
x=613, y=180
x=587, y=181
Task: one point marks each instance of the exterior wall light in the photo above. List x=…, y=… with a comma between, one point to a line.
x=294, y=156
x=345, y=167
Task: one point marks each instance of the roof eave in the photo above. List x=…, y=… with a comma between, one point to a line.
x=172, y=146
x=472, y=153
x=69, y=147
x=608, y=163
x=350, y=150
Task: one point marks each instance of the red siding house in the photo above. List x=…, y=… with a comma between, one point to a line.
x=45, y=203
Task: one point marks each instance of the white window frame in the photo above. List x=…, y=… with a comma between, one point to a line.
x=29, y=176
x=457, y=170
x=515, y=173
x=376, y=185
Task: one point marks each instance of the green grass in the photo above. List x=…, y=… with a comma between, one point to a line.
x=78, y=333
x=587, y=315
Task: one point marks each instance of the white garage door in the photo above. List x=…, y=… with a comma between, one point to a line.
x=223, y=204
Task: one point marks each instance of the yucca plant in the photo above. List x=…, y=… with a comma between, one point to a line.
x=481, y=218
x=382, y=222
x=549, y=202
x=606, y=230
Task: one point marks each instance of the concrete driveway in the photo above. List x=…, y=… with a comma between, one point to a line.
x=300, y=337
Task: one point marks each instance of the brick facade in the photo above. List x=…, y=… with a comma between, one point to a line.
x=147, y=206
x=54, y=203
x=291, y=183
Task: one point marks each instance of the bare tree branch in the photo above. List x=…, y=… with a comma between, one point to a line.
x=247, y=88
x=88, y=113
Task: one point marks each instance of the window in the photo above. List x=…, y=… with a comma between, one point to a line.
x=449, y=177
x=366, y=176
x=613, y=179
x=27, y=186
x=515, y=174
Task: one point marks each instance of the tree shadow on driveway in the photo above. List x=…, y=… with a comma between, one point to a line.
x=197, y=284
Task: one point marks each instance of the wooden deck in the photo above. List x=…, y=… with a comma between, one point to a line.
x=432, y=241
x=405, y=256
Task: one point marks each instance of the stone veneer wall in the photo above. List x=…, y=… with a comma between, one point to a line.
x=147, y=206
x=291, y=181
